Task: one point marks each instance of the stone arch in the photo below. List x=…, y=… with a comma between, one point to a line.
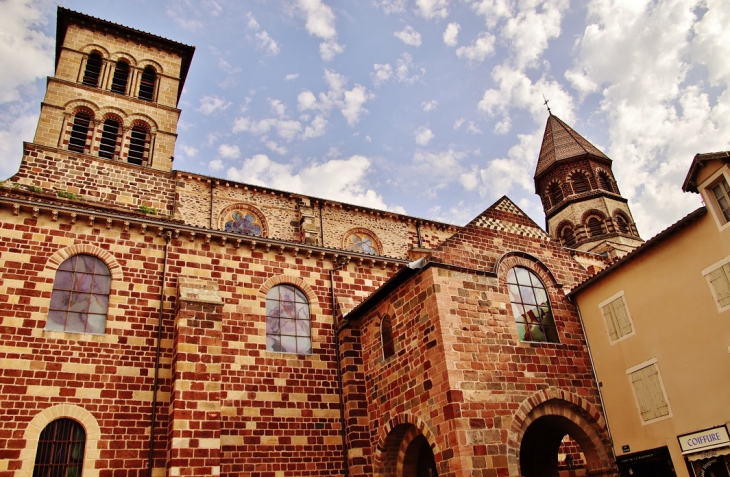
x=155, y=65
x=554, y=191
x=55, y=260
x=586, y=177
x=115, y=113
x=45, y=417
x=95, y=47
x=562, y=236
x=516, y=258
x=124, y=56
x=569, y=413
x=76, y=105
x=141, y=120
x=607, y=176
x=347, y=243
x=224, y=215
x=619, y=214
x=588, y=213
x=394, y=440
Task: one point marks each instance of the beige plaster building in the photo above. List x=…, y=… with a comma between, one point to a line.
x=658, y=325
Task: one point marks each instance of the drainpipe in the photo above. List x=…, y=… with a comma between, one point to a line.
x=595, y=378
x=212, y=188
x=157, y=357
x=337, y=267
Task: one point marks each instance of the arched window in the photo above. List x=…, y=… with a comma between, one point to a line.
x=556, y=194
x=568, y=237
x=60, y=449
x=386, y=337
x=580, y=184
x=287, y=321
x=531, y=306
x=80, y=296
x=622, y=224
x=605, y=182
x=121, y=75
x=79, y=132
x=93, y=70
x=595, y=227
x=147, y=84
x=109, y=139
x=137, y=145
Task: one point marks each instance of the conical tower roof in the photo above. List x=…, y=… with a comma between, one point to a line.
x=561, y=142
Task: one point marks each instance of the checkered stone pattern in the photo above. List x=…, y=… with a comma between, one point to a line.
x=512, y=228
x=510, y=207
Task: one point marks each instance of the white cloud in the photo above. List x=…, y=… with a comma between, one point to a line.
x=273, y=146
x=215, y=165
x=409, y=36
x=252, y=23
x=277, y=107
x=458, y=123
x=210, y=104
x=531, y=28
x=451, y=34
x=349, y=102
x=291, y=76
x=185, y=16
x=473, y=128
x=432, y=8
x=229, y=151
x=335, y=179
x=493, y=10
x=469, y=180
x=478, y=51
x=214, y=9
x=503, y=174
x=16, y=126
x=711, y=45
x=404, y=67
x=188, y=151
x=317, y=128
x=423, y=136
x=320, y=22
x=429, y=105
x=266, y=43
x=433, y=171
x=382, y=73
x=25, y=52
x=394, y=6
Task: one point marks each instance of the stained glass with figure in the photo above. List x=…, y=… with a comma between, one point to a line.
x=288, y=322
x=243, y=222
x=531, y=306
x=80, y=297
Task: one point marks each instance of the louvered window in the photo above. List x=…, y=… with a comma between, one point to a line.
x=649, y=393
x=60, y=449
x=119, y=80
x=568, y=237
x=595, y=227
x=137, y=145
x=721, y=192
x=93, y=70
x=147, y=84
x=109, y=138
x=720, y=281
x=386, y=337
x=605, y=182
x=580, y=184
x=622, y=224
x=617, y=318
x=556, y=194
x=79, y=132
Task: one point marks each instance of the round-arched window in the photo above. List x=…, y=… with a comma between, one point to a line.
x=60, y=449
x=531, y=306
x=80, y=296
x=288, y=327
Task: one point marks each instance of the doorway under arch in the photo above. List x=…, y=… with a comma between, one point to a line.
x=407, y=453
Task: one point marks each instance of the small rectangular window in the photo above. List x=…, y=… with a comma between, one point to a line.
x=616, y=316
x=649, y=391
x=721, y=194
x=718, y=275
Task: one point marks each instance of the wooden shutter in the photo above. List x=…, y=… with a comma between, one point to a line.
x=720, y=280
x=609, y=316
x=649, y=393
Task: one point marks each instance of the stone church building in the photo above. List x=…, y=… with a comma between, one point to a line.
x=162, y=323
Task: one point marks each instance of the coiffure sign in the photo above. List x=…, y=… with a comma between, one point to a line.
x=708, y=439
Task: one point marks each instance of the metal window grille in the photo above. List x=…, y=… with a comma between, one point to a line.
x=531, y=307
x=93, y=70
x=147, y=84
x=137, y=144
x=60, y=450
x=119, y=80
x=109, y=137
x=79, y=132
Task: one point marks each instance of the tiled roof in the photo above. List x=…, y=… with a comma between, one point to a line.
x=561, y=142
x=690, y=185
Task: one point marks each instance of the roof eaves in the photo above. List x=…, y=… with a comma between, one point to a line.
x=698, y=161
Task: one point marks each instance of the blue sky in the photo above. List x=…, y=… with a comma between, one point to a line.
x=433, y=108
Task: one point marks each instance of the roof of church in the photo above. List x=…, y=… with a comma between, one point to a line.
x=561, y=142
x=521, y=224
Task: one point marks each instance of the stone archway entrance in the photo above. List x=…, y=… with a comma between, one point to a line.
x=407, y=452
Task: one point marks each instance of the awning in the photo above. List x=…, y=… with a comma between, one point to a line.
x=723, y=449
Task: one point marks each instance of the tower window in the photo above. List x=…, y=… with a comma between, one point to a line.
x=386, y=337
x=137, y=145
x=622, y=224
x=147, y=84
x=580, y=184
x=60, y=449
x=79, y=132
x=531, y=306
x=119, y=80
x=109, y=137
x=556, y=194
x=605, y=182
x=595, y=227
x=93, y=70
x=568, y=237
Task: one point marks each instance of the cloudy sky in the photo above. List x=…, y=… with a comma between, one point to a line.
x=433, y=108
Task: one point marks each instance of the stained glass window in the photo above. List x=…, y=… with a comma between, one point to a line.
x=80, y=296
x=243, y=222
x=287, y=321
x=60, y=449
x=531, y=306
x=362, y=243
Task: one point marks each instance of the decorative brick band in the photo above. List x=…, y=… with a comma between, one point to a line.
x=60, y=256
x=289, y=280
x=45, y=417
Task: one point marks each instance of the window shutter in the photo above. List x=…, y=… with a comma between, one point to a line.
x=649, y=393
x=721, y=284
x=608, y=314
x=623, y=324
